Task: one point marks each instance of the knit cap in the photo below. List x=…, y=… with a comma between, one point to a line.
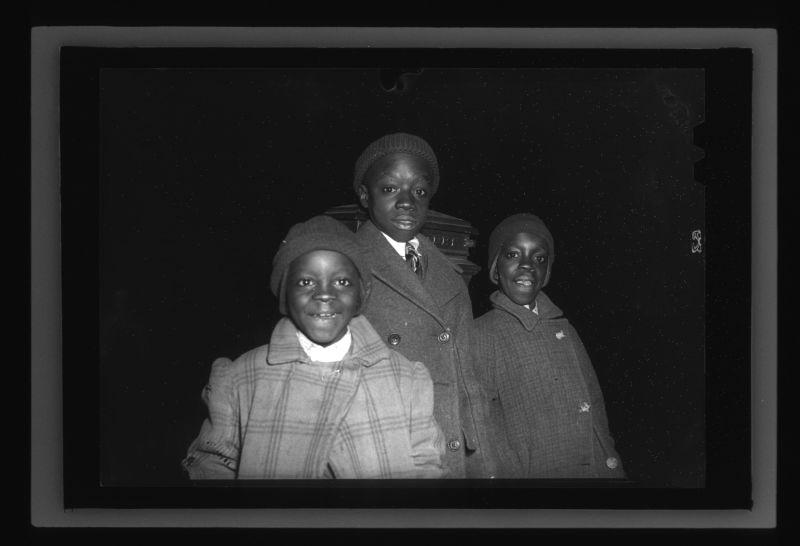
x=396, y=142
x=318, y=233
x=508, y=228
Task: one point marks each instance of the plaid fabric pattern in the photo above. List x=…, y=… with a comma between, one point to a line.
x=546, y=407
x=429, y=320
x=275, y=414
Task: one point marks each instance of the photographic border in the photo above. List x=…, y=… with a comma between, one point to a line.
x=589, y=498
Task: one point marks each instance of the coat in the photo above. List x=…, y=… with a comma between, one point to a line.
x=430, y=321
x=546, y=407
x=275, y=414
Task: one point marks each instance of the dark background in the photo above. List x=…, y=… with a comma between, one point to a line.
x=203, y=171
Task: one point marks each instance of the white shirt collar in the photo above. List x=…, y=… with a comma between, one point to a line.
x=535, y=307
x=332, y=353
x=400, y=247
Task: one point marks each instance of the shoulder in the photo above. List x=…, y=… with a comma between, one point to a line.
x=410, y=373
x=254, y=358
x=368, y=235
x=242, y=368
x=494, y=321
x=487, y=318
x=407, y=366
x=548, y=309
x=437, y=256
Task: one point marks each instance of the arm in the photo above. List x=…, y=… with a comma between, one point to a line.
x=604, y=442
x=506, y=463
x=214, y=454
x=427, y=441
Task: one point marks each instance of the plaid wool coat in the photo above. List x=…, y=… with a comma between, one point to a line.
x=546, y=407
x=430, y=321
x=275, y=414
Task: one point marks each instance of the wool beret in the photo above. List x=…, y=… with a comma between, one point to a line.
x=400, y=143
x=318, y=233
x=511, y=226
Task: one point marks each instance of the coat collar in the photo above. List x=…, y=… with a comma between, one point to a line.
x=390, y=268
x=529, y=319
x=367, y=347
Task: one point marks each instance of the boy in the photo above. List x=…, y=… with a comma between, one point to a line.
x=547, y=411
x=419, y=303
x=326, y=398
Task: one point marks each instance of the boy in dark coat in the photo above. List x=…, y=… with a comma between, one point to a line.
x=419, y=303
x=547, y=411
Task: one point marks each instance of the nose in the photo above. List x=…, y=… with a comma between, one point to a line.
x=526, y=262
x=404, y=200
x=324, y=293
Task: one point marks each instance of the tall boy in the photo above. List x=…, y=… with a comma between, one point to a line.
x=419, y=304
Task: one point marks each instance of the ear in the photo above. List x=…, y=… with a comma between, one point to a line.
x=363, y=294
x=494, y=276
x=547, y=276
x=363, y=196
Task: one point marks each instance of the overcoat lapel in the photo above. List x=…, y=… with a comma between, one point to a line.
x=388, y=267
x=443, y=285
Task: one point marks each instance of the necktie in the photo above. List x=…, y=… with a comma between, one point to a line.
x=413, y=259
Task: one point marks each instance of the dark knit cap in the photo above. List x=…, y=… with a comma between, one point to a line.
x=318, y=233
x=396, y=142
x=511, y=226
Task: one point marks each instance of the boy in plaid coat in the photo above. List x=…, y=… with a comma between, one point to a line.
x=546, y=408
x=326, y=398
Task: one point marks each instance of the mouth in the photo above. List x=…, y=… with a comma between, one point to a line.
x=324, y=316
x=525, y=282
x=404, y=222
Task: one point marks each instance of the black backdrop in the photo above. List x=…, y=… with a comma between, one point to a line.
x=203, y=170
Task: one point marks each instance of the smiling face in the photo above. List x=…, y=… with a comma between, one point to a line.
x=397, y=193
x=522, y=267
x=323, y=292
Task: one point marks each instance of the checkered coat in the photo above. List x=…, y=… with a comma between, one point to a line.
x=546, y=408
x=430, y=321
x=275, y=414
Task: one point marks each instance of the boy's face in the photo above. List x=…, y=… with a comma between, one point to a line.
x=323, y=292
x=397, y=193
x=522, y=267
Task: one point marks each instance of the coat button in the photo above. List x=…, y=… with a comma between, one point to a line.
x=612, y=463
x=453, y=445
x=584, y=407
x=394, y=339
x=444, y=337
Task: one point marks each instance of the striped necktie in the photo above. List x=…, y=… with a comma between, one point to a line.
x=413, y=259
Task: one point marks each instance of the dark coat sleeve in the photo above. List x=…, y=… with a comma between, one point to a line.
x=605, y=454
x=486, y=358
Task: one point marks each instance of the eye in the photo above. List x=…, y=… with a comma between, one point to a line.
x=540, y=259
x=388, y=189
x=421, y=192
x=305, y=282
x=511, y=254
x=344, y=282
